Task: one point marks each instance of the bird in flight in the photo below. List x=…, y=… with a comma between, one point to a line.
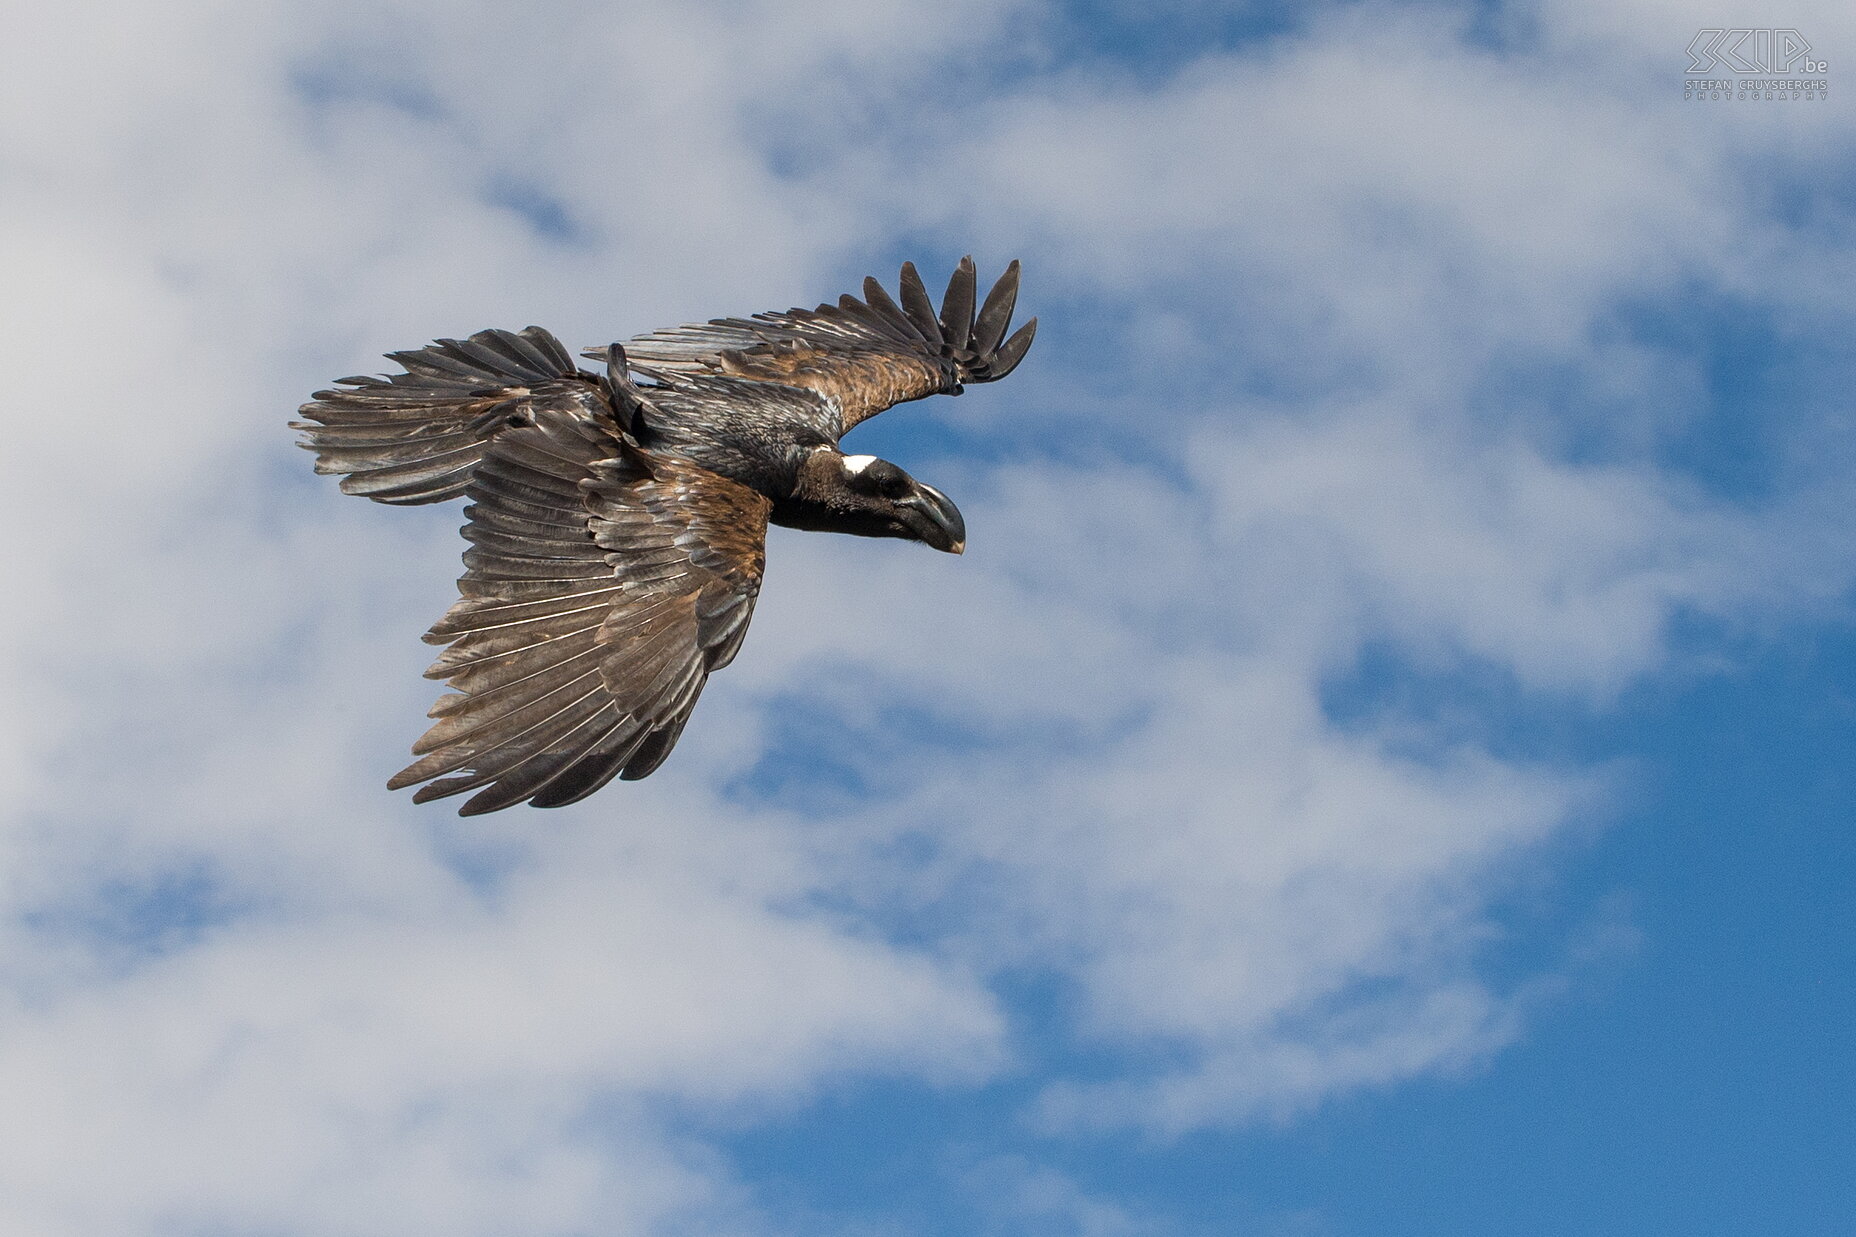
x=618, y=527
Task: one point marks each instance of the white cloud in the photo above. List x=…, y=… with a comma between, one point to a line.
x=1019, y=1197
x=1564, y=575
x=376, y=1024
x=1396, y=229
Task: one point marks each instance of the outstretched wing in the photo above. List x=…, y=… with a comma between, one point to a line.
x=416, y=437
x=605, y=583
x=867, y=355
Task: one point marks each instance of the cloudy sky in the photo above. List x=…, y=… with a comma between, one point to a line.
x=1382, y=766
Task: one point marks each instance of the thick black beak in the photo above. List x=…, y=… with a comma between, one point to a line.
x=939, y=524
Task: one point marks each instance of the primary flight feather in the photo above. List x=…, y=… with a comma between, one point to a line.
x=618, y=528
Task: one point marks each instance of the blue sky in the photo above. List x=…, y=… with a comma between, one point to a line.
x=1381, y=767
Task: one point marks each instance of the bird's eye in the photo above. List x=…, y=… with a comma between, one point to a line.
x=879, y=478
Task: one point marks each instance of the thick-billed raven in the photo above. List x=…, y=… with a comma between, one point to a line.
x=618, y=527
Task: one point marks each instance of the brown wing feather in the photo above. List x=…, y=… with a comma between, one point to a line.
x=416, y=437
x=863, y=383
x=868, y=354
x=604, y=585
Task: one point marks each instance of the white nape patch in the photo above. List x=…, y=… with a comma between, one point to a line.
x=854, y=464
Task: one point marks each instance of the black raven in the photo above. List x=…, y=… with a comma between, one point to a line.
x=618, y=527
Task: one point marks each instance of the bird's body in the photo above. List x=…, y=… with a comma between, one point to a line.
x=618, y=528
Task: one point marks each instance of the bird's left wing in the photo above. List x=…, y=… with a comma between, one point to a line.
x=604, y=584
x=867, y=354
x=416, y=437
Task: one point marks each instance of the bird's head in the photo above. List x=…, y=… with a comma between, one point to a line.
x=870, y=497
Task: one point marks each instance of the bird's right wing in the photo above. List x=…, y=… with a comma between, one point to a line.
x=866, y=355
x=604, y=584
x=416, y=437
